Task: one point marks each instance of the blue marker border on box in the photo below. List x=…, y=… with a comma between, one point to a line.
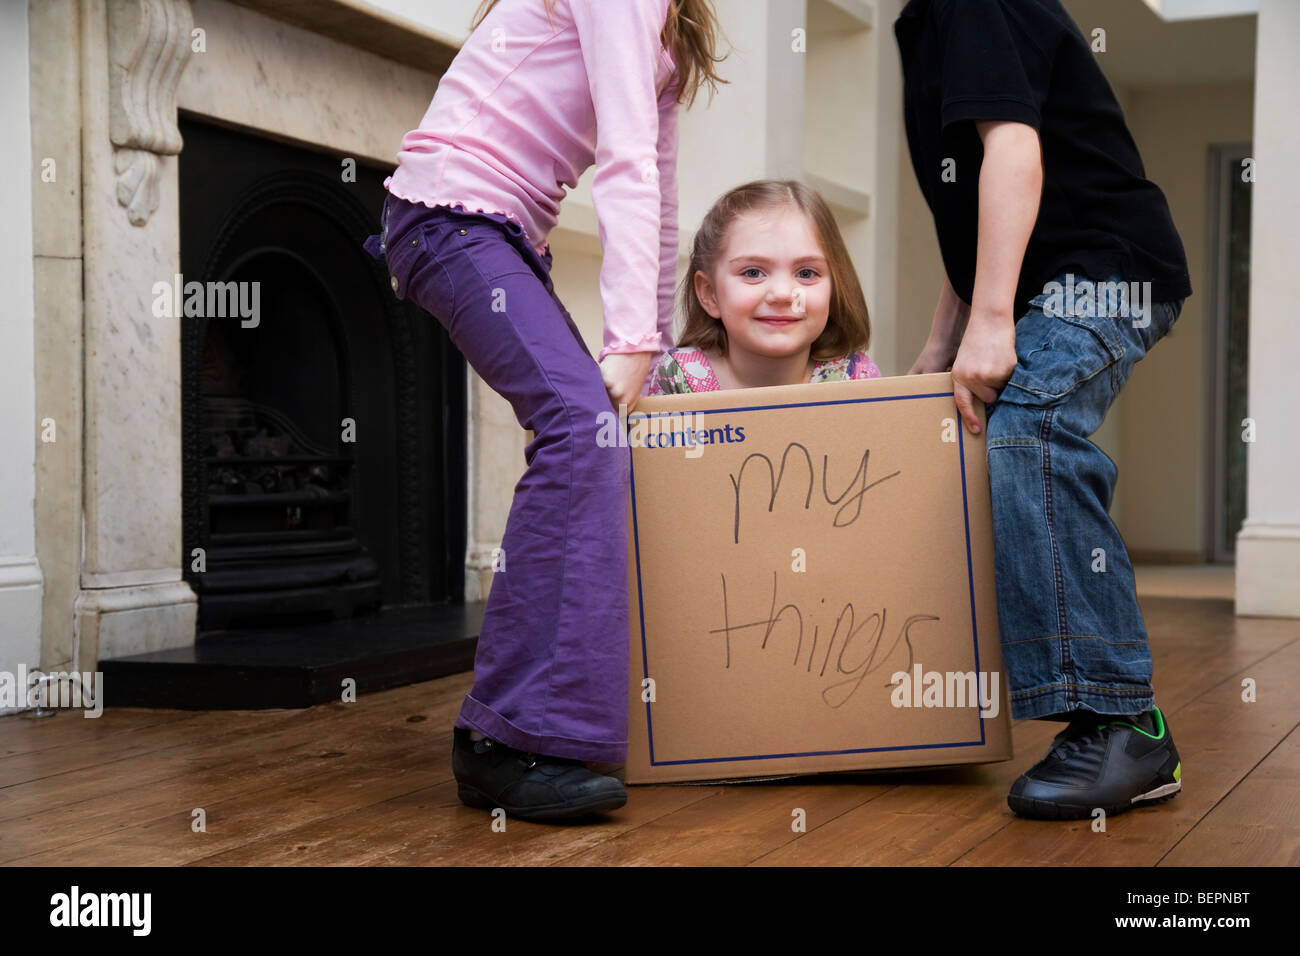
x=970, y=582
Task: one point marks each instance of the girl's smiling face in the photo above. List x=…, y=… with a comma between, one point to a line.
x=771, y=285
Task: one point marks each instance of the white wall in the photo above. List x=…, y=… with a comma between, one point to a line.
x=1268, y=547
x=20, y=578
x=447, y=19
x=1165, y=429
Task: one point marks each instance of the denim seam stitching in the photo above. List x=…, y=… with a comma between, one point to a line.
x=1099, y=689
x=1116, y=382
x=1114, y=351
x=1057, y=577
x=1054, y=395
x=1075, y=637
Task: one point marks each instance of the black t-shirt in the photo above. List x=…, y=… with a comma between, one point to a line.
x=1027, y=61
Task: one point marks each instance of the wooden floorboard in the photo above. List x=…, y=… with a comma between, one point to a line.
x=22, y=734
x=943, y=818
x=369, y=783
x=261, y=753
x=1220, y=740
x=735, y=825
x=1255, y=824
x=431, y=827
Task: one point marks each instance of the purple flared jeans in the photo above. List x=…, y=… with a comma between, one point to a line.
x=551, y=669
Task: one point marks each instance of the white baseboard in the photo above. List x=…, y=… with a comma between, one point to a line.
x=1268, y=570
x=21, y=587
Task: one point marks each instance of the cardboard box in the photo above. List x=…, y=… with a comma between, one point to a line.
x=794, y=549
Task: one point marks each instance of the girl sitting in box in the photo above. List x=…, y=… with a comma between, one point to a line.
x=771, y=297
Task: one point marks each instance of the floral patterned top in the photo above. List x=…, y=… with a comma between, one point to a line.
x=687, y=370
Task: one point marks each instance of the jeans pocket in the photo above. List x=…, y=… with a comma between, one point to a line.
x=416, y=265
x=1055, y=355
x=494, y=254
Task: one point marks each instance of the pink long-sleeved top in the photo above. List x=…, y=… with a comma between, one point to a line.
x=528, y=104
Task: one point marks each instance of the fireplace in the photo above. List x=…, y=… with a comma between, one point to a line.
x=323, y=436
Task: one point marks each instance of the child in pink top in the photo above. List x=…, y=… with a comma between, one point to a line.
x=541, y=90
x=771, y=297
x=505, y=134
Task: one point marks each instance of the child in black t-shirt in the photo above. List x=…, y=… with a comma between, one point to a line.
x=1063, y=268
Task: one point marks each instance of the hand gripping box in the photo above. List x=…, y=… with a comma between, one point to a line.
x=811, y=573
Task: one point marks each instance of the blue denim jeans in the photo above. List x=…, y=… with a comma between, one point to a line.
x=1071, y=632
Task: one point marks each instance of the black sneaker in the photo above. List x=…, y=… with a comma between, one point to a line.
x=528, y=786
x=1112, y=764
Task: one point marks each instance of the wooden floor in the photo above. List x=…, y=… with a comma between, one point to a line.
x=370, y=783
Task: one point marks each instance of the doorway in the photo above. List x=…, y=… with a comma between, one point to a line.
x=1229, y=342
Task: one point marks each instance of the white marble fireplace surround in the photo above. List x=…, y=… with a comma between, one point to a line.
x=108, y=77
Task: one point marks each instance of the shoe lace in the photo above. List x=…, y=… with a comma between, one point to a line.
x=1077, y=739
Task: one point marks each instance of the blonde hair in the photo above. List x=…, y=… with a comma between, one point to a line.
x=848, y=326
x=690, y=34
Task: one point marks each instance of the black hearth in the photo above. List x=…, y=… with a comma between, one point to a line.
x=324, y=462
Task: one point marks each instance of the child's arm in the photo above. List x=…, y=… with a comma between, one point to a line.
x=946, y=328
x=620, y=46
x=668, y=231
x=1011, y=182
x=997, y=76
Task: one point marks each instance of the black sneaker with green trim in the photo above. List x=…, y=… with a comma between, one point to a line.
x=1103, y=762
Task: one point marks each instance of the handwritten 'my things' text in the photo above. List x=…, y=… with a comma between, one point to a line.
x=849, y=500
x=859, y=637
